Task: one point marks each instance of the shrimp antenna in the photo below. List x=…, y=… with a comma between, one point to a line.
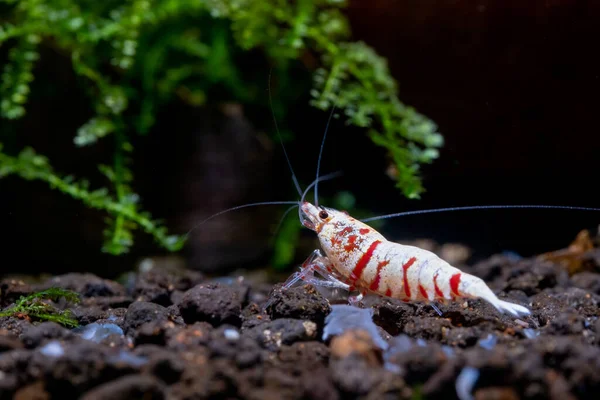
x=287, y=158
x=267, y=203
x=262, y=203
x=320, y=155
x=437, y=210
x=323, y=178
x=285, y=214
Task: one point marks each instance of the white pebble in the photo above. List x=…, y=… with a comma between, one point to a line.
x=489, y=342
x=448, y=351
x=465, y=382
x=53, y=349
x=343, y=318
x=531, y=333
x=128, y=358
x=310, y=328
x=98, y=332
x=231, y=334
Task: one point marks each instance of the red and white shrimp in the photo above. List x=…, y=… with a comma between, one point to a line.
x=360, y=258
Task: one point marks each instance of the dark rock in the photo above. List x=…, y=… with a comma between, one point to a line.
x=8, y=386
x=533, y=277
x=302, y=302
x=157, y=285
x=9, y=342
x=589, y=281
x=87, y=285
x=236, y=283
x=215, y=304
x=253, y=316
x=86, y=315
x=189, y=338
x=33, y=391
x=584, y=302
x=283, y=331
x=162, y=363
x=13, y=325
x=567, y=323
x=37, y=334
x=83, y=365
x=153, y=332
x=142, y=387
x=494, y=268
x=418, y=363
x=141, y=312
x=354, y=375
x=249, y=353
x=11, y=290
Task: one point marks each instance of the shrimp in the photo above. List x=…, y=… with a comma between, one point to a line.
x=360, y=258
x=357, y=257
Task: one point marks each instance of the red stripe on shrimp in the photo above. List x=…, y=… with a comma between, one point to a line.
x=362, y=263
x=423, y=292
x=438, y=292
x=405, y=268
x=454, y=282
x=375, y=284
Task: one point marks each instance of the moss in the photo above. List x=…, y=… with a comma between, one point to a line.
x=38, y=306
x=133, y=57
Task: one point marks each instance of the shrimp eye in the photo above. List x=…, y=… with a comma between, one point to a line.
x=323, y=214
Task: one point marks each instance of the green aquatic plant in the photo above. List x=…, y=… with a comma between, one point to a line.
x=132, y=58
x=38, y=306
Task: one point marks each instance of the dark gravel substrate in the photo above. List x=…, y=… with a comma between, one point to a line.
x=178, y=335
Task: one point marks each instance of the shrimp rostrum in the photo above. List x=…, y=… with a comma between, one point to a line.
x=358, y=258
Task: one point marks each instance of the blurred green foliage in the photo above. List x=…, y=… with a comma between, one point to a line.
x=132, y=57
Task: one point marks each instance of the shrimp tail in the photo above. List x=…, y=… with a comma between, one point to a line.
x=479, y=289
x=511, y=308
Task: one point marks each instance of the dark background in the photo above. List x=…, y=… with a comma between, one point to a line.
x=512, y=85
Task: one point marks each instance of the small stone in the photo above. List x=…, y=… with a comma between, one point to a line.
x=344, y=317
x=128, y=387
x=302, y=302
x=283, y=331
x=357, y=342
x=500, y=393
x=141, y=312
x=9, y=342
x=231, y=334
x=53, y=349
x=211, y=303
x=98, y=332
x=87, y=285
x=35, y=335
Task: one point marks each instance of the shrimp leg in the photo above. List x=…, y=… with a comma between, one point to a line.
x=316, y=262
